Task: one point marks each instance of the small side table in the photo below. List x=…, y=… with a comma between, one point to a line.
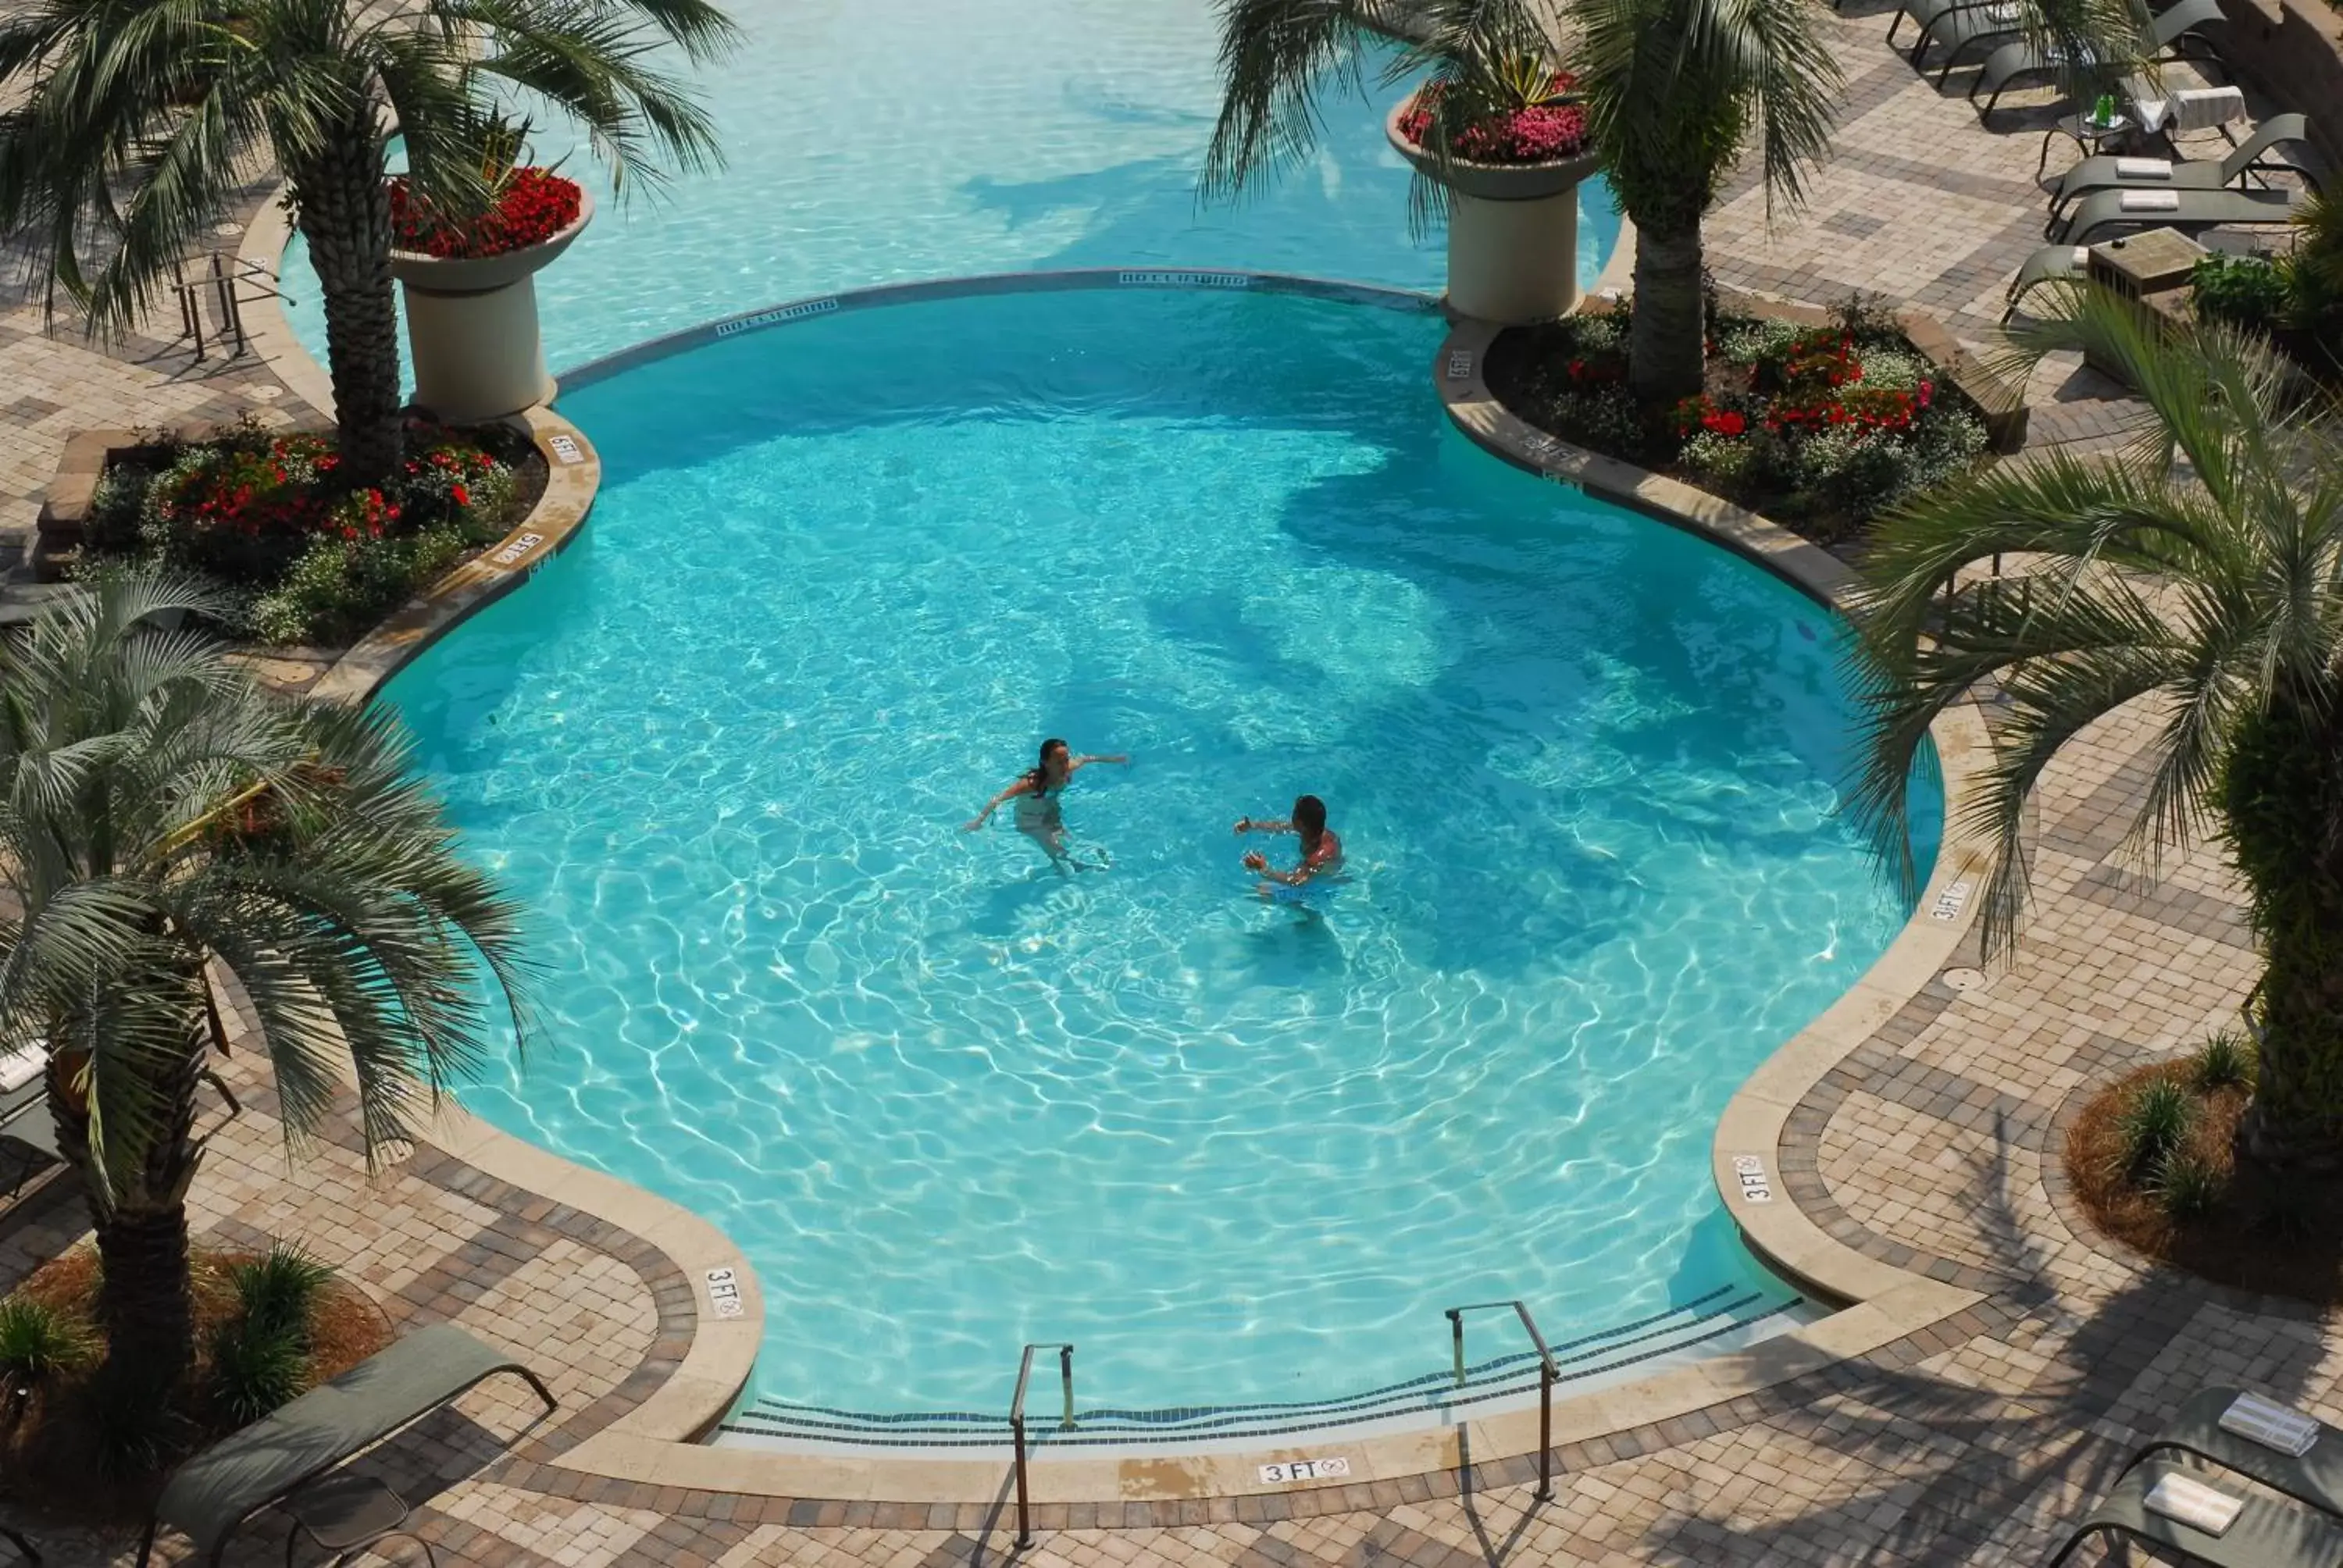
x=2086, y=132
x=346, y=1514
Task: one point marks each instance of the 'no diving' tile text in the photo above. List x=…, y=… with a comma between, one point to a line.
x=1185, y=279
x=567, y=449
x=767, y=318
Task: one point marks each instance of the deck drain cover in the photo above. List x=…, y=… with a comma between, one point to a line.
x=1963, y=978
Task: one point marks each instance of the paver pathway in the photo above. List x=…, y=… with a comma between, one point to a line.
x=1933, y=1147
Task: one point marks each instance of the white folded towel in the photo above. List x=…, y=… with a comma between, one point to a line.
x=2194, y=1504
x=2202, y=108
x=2143, y=168
x=2151, y=201
x=2270, y=1424
x=2152, y=112
x=21, y=1066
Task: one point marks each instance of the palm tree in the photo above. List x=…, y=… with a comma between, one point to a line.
x=1673, y=90
x=161, y=818
x=2199, y=570
x=134, y=122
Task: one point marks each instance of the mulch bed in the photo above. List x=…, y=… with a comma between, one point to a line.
x=48, y=1465
x=2239, y=1242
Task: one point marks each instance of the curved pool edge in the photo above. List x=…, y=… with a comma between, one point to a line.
x=721, y=1352
x=1747, y=1153
x=654, y=1441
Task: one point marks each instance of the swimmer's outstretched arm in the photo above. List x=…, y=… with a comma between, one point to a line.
x=1023, y=786
x=1086, y=761
x=1262, y=825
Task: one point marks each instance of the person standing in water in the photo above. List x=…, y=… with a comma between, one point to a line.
x=1037, y=793
x=1322, y=851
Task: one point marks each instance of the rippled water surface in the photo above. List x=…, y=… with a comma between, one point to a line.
x=893, y=139
x=951, y=1097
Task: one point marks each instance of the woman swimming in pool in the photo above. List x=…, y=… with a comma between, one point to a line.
x=1037, y=793
x=1322, y=851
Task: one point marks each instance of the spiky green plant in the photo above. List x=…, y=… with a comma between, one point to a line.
x=161, y=815
x=2199, y=569
x=131, y=123
x=260, y=1356
x=2154, y=1123
x=37, y=1342
x=2185, y=1187
x=2226, y=1061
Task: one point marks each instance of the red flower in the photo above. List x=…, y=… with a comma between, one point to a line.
x=534, y=205
x=463, y=496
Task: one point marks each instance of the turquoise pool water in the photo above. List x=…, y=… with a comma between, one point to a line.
x=896, y=139
x=949, y=1097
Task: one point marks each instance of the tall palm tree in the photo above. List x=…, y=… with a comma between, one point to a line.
x=2200, y=570
x=134, y=122
x=162, y=816
x=1673, y=90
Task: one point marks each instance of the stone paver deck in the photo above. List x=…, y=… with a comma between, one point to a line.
x=1932, y=1147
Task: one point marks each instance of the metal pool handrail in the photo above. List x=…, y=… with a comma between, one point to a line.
x=1548, y=1374
x=1017, y=1421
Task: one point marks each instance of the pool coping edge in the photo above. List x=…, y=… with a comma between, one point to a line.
x=1754, y=1124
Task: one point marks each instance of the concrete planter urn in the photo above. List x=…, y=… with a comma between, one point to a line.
x=1512, y=230
x=471, y=325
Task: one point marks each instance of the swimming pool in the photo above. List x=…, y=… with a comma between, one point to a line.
x=948, y=1096
x=900, y=139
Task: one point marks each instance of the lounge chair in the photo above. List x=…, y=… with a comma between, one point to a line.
x=2182, y=210
x=2051, y=264
x=2105, y=173
x=2266, y=1533
x=2314, y=1476
x=209, y=1498
x=25, y=1115
x=1960, y=28
x=2170, y=36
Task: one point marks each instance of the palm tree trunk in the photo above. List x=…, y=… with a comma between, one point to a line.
x=145, y=1304
x=344, y=205
x=2282, y=810
x=1668, y=333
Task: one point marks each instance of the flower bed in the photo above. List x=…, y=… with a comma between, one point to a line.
x=532, y=206
x=1538, y=133
x=317, y=560
x=2152, y=1161
x=1821, y=428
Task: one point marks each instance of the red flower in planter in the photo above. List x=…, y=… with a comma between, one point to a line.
x=532, y=206
x=1529, y=134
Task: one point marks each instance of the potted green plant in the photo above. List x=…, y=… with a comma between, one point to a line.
x=467, y=277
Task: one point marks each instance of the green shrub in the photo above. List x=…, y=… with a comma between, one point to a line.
x=1721, y=459
x=260, y=1358
x=2185, y=1186
x=2152, y=1124
x=37, y=1343
x=339, y=587
x=2243, y=291
x=1746, y=342
x=2226, y=1061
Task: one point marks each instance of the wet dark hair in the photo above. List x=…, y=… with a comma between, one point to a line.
x=1309, y=818
x=1041, y=770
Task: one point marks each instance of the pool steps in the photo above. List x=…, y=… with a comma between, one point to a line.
x=1730, y=1313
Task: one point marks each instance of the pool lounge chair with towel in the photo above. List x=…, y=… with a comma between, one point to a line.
x=2210, y=1518
x=2291, y=1453
x=2170, y=36
x=1960, y=28
x=2104, y=173
x=2175, y=209
x=25, y=1115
